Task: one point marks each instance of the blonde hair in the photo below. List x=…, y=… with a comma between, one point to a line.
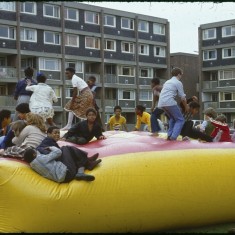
x=36, y=120
x=18, y=126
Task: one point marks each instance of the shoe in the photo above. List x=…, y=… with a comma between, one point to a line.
x=154, y=134
x=67, y=127
x=93, y=158
x=92, y=165
x=82, y=176
x=185, y=138
x=218, y=136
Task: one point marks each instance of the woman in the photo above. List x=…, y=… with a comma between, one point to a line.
x=42, y=99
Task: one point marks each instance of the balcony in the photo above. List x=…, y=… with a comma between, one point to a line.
x=209, y=84
x=7, y=73
x=7, y=101
x=146, y=103
x=145, y=81
x=214, y=105
x=126, y=80
x=227, y=83
x=128, y=104
x=110, y=78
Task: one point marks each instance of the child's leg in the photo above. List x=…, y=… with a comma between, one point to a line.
x=82, y=176
x=70, y=121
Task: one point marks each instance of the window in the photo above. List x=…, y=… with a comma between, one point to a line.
x=3, y=89
x=209, y=34
x=68, y=92
x=127, y=71
x=71, y=14
x=57, y=91
x=7, y=6
x=227, y=96
x=214, y=97
x=128, y=47
x=226, y=74
x=145, y=72
x=72, y=40
x=209, y=55
x=7, y=32
x=146, y=95
x=159, y=51
x=228, y=31
x=91, y=17
x=29, y=35
x=159, y=29
x=143, y=26
x=77, y=65
x=126, y=95
x=127, y=23
x=49, y=64
x=228, y=53
x=28, y=7
x=109, y=21
x=110, y=45
x=144, y=49
x=92, y=42
x=51, y=38
x=51, y=11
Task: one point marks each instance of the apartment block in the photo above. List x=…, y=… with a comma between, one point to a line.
x=217, y=67
x=123, y=50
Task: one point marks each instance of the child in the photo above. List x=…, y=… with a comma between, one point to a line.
x=142, y=117
x=220, y=125
x=42, y=99
x=53, y=135
x=156, y=112
x=167, y=101
x=56, y=166
x=84, y=131
x=117, y=121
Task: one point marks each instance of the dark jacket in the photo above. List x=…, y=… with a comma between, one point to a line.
x=80, y=129
x=20, y=88
x=47, y=142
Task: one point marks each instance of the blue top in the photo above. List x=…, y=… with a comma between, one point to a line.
x=20, y=88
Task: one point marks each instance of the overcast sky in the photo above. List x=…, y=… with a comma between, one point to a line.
x=184, y=18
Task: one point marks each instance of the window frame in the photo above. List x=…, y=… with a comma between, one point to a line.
x=162, y=29
x=66, y=13
x=129, y=23
x=121, y=96
x=205, y=36
x=143, y=31
x=129, y=45
x=76, y=65
x=204, y=59
x=224, y=35
x=105, y=45
x=42, y=60
x=232, y=53
x=54, y=6
x=54, y=35
x=94, y=18
x=150, y=95
x=8, y=28
x=142, y=44
x=105, y=21
x=160, y=49
x=25, y=40
x=22, y=4
x=13, y=5
x=94, y=38
x=66, y=40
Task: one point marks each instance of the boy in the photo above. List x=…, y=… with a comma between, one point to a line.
x=117, y=121
x=56, y=166
x=53, y=135
x=142, y=117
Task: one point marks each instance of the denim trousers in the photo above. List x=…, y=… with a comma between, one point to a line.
x=155, y=115
x=176, y=121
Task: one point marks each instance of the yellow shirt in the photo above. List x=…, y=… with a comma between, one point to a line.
x=116, y=124
x=144, y=119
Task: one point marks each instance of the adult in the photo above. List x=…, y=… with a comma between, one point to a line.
x=42, y=99
x=79, y=104
x=21, y=94
x=167, y=101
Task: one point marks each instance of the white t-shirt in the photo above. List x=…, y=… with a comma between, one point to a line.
x=78, y=82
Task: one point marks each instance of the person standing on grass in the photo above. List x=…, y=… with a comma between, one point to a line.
x=167, y=101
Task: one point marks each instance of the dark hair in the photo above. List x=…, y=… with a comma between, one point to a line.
x=51, y=128
x=29, y=72
x=210, y=112
x=91, y=110
x=117, y=107
x=176, y=71
x=221, y=118
x=29, y=155
x=4, y=113
x=92, y=78
x=23, y=108
x=41, y=78
x=70, y=69
x=155, y=81
x=141, y=108
x=194, y=105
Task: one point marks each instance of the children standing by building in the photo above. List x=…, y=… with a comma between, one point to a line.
x=117, y=121
x=167, y=101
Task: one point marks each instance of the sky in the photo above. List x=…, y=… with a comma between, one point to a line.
x=184, y=18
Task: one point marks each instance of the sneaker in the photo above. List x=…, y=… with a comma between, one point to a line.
x=154, y=134
x=93, y=158
x=92, y=165
x=218, y=136
x=185, y=138
x=82, y=176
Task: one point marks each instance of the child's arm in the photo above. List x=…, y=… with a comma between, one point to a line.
x=220, y=125
x=54, y=154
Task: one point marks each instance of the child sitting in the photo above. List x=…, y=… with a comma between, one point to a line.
x=56, y=166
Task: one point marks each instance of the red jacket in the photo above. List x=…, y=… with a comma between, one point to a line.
x=225, y=137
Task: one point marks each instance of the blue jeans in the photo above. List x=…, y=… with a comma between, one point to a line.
x=155, y=115
x=176, y=121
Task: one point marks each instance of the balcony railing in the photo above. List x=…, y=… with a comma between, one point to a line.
x=7, y=101
x=209, y=84
x=126, y=80
x=145, y=81
x=146, y=104
x=127, y=103
x=6, y=73
x=110, y=78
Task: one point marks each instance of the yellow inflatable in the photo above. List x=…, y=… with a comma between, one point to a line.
x=144, y=184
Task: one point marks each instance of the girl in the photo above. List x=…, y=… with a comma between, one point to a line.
x=42, y=99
